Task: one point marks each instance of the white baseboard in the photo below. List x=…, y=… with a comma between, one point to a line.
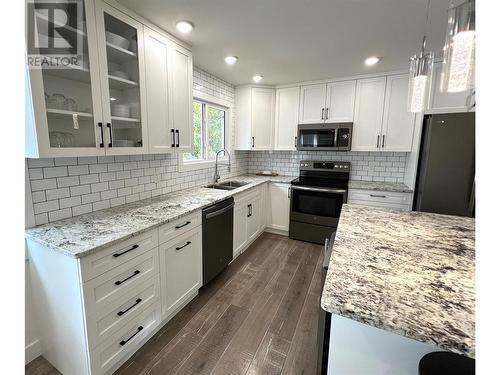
x=32, y=350
x=277, y=231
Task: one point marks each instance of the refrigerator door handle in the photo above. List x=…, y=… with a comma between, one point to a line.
x=472, y=199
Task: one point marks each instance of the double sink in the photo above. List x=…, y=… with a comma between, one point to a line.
x=227, y=185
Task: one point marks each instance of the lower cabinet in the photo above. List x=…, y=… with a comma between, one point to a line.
x=249, y=221
x=181, y=265
x=279, y=207
x=383, y=199
x=99, y=309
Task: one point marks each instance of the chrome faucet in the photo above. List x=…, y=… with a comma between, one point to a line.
x=217, y=176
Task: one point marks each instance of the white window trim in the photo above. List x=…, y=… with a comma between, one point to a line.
x=184, y=166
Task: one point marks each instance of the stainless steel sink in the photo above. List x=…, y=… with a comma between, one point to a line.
x=233, y=183
x=221, y=187
x=227, y=185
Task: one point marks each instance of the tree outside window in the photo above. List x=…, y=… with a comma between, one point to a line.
x=209, y=128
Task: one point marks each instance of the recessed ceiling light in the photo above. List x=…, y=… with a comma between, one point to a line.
x=257, y=78
x=231, y=60
x=372, y=60
x=112, y=99
x=184, y=26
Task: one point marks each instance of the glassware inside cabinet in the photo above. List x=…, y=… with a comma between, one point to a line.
x=67, y=87
x=123, y=80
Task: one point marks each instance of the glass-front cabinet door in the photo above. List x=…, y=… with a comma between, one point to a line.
x=121, y=50
x=66, y=92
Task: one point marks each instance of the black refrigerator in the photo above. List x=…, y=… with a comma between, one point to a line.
x=446, y=173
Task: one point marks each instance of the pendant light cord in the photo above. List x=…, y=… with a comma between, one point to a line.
x=426, y=27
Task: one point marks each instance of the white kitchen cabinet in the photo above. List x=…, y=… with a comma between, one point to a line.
x=340, y=98
x=286, y=118
x=398, y=123
x=384, y=199
x=312, y=104
x=182, y=97
x=279, y=207
x=444, y=102
x=123, y=81
x=328, y=103
x=249, y=220
x=181, y=265
x=101, y=105
x=169, y=98
x=254, y=217
x=368, y=114
x=254, y=118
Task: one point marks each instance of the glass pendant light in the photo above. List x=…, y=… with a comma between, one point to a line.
x=459, y=48
x=421, y=65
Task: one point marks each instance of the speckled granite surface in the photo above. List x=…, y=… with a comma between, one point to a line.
x=85, y=234
x=382, y=186
x=410, y=273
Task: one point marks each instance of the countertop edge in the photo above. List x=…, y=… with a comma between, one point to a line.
x=89, y=251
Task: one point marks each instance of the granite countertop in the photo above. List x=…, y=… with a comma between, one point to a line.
x=85, y=234
x=382, y=186
x=410, y=273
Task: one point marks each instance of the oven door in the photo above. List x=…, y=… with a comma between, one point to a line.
x=317, y=205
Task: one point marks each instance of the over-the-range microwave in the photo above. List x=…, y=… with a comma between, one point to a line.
x=318, y=137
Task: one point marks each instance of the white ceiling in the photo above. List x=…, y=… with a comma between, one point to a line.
x=299, y=40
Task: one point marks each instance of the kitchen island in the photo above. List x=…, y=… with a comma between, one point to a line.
x=409, y=274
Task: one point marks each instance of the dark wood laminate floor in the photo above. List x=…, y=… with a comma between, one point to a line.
x=258, y=317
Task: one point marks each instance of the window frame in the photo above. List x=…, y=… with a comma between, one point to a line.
x=200, y=97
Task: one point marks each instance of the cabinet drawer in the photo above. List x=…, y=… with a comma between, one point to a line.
x=125, y=342
x=121, y=310
x=181, y=263
x=380, y=205
x=102, y=261
x=100, y=291
x=379, y=196
x=177, y=227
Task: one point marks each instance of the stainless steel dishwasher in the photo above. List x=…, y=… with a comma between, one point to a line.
x=217, y=238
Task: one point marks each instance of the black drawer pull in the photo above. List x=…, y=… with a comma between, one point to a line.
x=183, y=246
x=116, y=255
x=139, y=329
x=137, y=301
x=378, y=196
x=136, y=272
x=183, y=225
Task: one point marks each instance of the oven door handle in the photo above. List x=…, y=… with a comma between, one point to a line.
x=324, y=190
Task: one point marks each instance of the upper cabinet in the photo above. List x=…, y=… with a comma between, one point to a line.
x=332, y=102
x=169, y=99
x=124, y=92
x=286, y=118
x=122, y=70
x=368, y=114
x=444, y=102
x=381, y=121
x=67, y=106
x=254, y=118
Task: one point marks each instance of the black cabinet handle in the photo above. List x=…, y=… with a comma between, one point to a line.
x=116, y=255
x=378, y=139
x=326, y=117
x=183, y=246
x=289, y=192
x=99, y=124
x=183, y=225
x=383, y=141
x=173, y=137
x=139, y=329
x=322, y=113
x=136, y=272
x=295, y=142
x=248, y=211
x=178, y=137
x=110, y=144
x=378, y=196
x=253, y=142
x=137, y=301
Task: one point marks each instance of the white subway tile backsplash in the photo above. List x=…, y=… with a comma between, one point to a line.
x=95, y=183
